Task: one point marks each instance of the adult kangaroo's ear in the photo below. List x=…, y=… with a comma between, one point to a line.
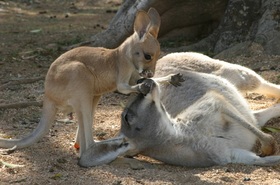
x=141, y=23
x=155, y=22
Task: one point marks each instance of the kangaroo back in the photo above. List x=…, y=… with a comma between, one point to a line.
x=244, y=79
x=194, y=87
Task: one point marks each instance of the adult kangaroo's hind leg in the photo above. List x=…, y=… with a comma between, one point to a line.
x=250, y=158
x=264, y=115
x=247, y=80
x=269, y=145
x=269, y=89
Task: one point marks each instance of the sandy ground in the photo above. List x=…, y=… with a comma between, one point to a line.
x=32, y=33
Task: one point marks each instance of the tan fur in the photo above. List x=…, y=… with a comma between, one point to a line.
x=77, y=79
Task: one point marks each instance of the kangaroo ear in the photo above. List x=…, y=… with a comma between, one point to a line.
x=141, y=23
x=155, y=22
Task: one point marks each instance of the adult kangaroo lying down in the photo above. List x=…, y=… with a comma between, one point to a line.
x=77, y=79
x=210, y=124
x=214, y=130
x=245, y=79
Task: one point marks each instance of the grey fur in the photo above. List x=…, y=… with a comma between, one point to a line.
x=213, y=130
x=204, y=122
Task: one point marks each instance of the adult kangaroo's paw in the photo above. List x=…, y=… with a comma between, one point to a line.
x=146, y=86
x=176, y=80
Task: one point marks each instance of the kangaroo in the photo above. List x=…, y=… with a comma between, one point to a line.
x=103, y=152
x=210, y=124
x=76, y=80
x=217, y=129
x=245, y=79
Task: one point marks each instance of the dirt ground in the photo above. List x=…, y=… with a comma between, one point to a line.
x=32, y=33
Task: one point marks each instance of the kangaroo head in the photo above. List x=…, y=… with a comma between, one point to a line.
x=140, y=120
x=143, y=48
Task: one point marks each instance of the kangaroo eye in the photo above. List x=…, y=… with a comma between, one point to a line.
x=126, y=119
x=147, y=56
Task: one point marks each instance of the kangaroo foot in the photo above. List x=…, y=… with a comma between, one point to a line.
x=268, y=148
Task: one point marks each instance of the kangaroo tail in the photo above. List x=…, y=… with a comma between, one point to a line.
x=48, y=115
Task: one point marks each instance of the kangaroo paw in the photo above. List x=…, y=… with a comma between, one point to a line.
x=176, y=80
x=146, y=86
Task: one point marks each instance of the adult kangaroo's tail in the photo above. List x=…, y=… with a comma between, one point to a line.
x=48, y=115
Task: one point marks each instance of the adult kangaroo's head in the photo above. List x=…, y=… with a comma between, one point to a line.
x=141, y=119
x=143, y=48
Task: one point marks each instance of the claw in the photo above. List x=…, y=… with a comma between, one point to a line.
x=176, y=80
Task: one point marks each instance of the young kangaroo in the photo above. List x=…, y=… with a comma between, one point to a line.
x=77, y=79
x=243, y=78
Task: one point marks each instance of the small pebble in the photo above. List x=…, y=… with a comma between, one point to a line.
x=246, y=179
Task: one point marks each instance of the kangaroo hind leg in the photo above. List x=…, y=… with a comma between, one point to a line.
x=269, y=89
x=94, y=106
x=269, y=145
x=264, y=115
x=84, y=109
x=247, y=157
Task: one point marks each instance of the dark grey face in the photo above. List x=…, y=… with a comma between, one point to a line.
x=140, y=121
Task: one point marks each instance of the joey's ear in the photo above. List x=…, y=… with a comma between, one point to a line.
x=155, y=22
x=141, y=23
